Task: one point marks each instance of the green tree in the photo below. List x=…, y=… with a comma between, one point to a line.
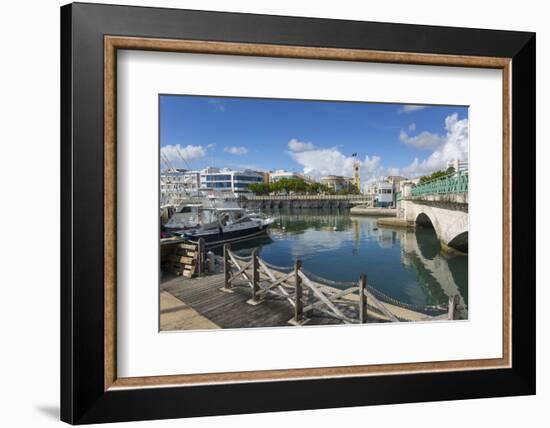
x=299, y=186
x=433, y=176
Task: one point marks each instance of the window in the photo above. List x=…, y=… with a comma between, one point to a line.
x=248, y=178
x=218, y=178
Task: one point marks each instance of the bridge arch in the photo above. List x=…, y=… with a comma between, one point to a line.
x=460, y=242
x=424, y=219
x=449, y=223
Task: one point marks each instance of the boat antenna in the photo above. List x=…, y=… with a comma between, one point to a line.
x=183, y=158
x=167, y=161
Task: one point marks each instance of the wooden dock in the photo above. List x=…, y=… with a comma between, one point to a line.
x=204, y=296
x=199, y=303
x=246, y=292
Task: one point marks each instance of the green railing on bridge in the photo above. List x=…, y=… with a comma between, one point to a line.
x=446, y=185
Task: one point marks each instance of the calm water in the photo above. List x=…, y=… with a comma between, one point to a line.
x=404, y=264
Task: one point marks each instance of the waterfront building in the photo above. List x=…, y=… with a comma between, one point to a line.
x=459, y=166
x=265, y=176
x=384, y=191
x=396, y=181
x=228, y=181
x=337, y=182
x=178, y=181
x=384, y=194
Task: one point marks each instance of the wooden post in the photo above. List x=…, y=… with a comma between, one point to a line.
x=362, y=299
x=255, y=274
x=200, y=256
x=299, y=307
x=453, y=302
x=226, y=267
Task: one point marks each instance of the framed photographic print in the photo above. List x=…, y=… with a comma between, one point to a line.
x=265, y=213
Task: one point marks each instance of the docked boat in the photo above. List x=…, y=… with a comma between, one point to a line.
x=187, y=216
x=223, y=225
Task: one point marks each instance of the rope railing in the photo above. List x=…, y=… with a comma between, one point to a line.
x=329, y=282
x=243, y=258
x=289, y=282
x=426, y=309
x=281, y=268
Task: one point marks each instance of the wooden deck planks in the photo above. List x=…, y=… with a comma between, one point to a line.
x=230, y=310
x=204, y=297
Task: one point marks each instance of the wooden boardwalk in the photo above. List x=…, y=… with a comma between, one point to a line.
x=230, y=310
x=199, y=303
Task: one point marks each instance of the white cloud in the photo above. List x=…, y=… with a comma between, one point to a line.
x=175, y=153
x=410, y=108
x=372, y=165
x=241, y=150
x=454, y=145
x=424, y=140
x=295, y=145
x=412, y=127
x=320, y=162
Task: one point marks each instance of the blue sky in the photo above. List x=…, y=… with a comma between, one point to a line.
x=315, y=137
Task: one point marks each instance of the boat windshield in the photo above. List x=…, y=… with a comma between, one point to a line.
x=209, y=216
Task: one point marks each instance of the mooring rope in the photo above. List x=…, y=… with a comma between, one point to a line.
x=329, y=282
x=242, y=258
x=285, y=269
x=425, y=309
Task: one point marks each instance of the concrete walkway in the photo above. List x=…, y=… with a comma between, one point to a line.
x=375, y=212
x=394, y=222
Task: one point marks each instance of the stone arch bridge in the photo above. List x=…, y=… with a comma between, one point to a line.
x=442, y=205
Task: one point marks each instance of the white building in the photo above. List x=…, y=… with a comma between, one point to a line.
x=384, y=191
x=384, y=194
x=459, y=166
x=228, y=181
x=396, y=180
x=337, y=182
x=179, y=181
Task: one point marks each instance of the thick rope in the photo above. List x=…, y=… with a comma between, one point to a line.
x=426, y=309
x=329, y=282
x=285, y=269
x=242, y=258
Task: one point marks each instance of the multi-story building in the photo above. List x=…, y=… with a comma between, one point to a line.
x=459, y=166
x=228, y=181
x=396, y=181
x=337, y=182
x=179, y=181
x=385, y=190
x=385, y=194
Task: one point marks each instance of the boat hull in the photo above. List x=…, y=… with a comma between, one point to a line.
x=216, y=237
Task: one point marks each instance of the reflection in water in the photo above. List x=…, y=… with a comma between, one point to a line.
x=405, y=264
